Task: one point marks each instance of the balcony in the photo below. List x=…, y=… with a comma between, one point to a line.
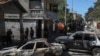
x=38, y=14
x=34, y=14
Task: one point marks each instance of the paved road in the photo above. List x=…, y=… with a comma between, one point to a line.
x=74, y=54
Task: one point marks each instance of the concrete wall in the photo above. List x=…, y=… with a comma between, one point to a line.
x=30, y=24
x=15, y=26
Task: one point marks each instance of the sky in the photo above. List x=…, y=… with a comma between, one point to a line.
x=80, y=6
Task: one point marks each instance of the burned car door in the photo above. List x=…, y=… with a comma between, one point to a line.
x=88, y=39
x=40, y=49
x=78, y=41
x=26, y=50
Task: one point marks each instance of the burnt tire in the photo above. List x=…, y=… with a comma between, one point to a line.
x=96, y=52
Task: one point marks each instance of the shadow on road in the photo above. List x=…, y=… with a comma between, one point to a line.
x=65, y=54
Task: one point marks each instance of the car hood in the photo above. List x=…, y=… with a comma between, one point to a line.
x=8, y=49
x=61, y=38
x=55, y=44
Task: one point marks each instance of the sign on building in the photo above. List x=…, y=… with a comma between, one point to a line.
x=11, y=16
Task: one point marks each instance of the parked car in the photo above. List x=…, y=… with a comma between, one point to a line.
x=37, y=47
x=82, y=40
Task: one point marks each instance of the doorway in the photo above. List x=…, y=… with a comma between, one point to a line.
x=39, y=29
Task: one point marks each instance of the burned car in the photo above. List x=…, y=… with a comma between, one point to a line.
x=82, y=40
x=37, y=47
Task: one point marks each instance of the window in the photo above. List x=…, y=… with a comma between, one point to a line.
x=89, y=37
x=78, y=36
x=29, y=46
x=41, y=45
x=35, y=4
x=53, y=7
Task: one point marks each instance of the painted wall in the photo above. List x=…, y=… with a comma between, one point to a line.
x=15, y=26
x=30, y=24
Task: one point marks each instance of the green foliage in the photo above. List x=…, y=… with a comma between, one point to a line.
x=89, y=14
x=93, y=13
x=69, y=16
x=97, y=3
x=61, y=10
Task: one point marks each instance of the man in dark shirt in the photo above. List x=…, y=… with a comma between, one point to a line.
x=9, y=36
x=31, y=33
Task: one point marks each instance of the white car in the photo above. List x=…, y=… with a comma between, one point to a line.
x=37, y=47
x=82, y=40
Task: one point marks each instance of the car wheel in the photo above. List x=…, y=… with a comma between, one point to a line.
x=49, y=54
x=96, y=52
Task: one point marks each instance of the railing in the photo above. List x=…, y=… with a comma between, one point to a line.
x=39, y=14
x=34, y=14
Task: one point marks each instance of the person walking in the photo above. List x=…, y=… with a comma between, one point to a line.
x=31, y=33
x=26, y=34
x=9, y=36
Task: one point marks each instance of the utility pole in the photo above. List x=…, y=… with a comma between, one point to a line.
x=43, y=19
x=65, y=13
x=65, y=27
x=72, y=6
x=21, y=27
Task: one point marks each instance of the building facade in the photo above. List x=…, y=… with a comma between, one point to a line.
x=11, y=16
x=40, y=15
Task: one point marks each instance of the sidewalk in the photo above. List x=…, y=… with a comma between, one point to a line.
x=4, y=44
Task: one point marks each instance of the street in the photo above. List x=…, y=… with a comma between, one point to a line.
x=35, y=27
x=74, y=54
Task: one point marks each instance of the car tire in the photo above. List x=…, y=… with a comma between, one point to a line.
x=49, y=54
x=96, y=52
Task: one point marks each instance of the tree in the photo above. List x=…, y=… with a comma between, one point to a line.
x=87, y=15
x=93, y=13
x=97, y=3
x=61, y=9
